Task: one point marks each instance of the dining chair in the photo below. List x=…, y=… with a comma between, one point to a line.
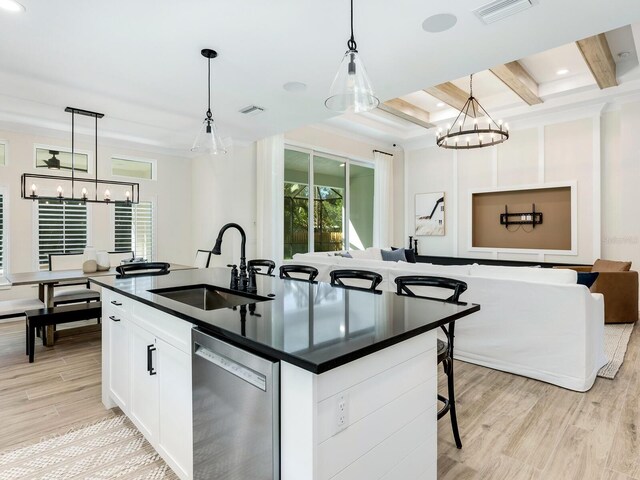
x=310, y=272
x=116, y=258
x=65, y=295
x=203, y=259
x=270, y=265
x=444, y=350
x=338, y=277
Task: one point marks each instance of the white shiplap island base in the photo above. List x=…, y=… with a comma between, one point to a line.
x=390, y=434
x=358, y=372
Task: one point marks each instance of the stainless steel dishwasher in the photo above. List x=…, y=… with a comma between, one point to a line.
x=236, y=412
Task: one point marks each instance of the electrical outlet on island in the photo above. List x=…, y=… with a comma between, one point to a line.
x=342, y=412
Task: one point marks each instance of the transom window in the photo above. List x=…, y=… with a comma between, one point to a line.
x=3, y=153
x=134, y=229
x=126, y=167
x=50, y=157
x=62, y=228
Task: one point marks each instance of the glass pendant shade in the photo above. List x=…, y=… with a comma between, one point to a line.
x=208, y=141
x=351, y=90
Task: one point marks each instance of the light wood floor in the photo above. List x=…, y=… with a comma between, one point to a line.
x=512, y=428
x=60, y=390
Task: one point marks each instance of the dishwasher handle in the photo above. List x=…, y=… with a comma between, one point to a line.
x=236, y=369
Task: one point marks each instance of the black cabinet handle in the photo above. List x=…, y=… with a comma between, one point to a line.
x=112, y=317
x=116, y=303
x=150, y=349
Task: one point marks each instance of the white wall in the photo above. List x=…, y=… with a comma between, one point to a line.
x=224, y=190
x=566, y=150
x=361, y=148
x=171, y=192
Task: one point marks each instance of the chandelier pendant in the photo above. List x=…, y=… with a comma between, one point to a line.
x=467, y=132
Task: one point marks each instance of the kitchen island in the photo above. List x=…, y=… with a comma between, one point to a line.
x=357, y=372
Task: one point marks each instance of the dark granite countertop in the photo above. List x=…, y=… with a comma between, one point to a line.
x=314, y=326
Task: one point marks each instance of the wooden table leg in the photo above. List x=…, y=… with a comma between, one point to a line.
x=48, y=295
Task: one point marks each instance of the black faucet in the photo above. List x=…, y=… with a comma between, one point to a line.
x=239, y=280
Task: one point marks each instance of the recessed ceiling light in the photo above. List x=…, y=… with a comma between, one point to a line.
x=562, y=71
x=12, y=6
x=342, y=164
x=440, y=104
x=439, y=23
x=295, y=87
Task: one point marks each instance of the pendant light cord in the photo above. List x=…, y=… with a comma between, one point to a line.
x=209, y=114
x=351, y=44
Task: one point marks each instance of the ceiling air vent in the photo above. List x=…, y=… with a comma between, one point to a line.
x=494, y=11
x=252, y=110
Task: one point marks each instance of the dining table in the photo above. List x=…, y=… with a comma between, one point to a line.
x=47, y=280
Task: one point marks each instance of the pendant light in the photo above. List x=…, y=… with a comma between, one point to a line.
x=467, y=132
x=208, y=141
x=351, y=90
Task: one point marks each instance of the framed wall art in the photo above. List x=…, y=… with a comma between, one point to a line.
x=429, y=212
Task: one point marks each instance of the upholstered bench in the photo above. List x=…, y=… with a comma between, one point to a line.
x=44, y=317
x=16, y=308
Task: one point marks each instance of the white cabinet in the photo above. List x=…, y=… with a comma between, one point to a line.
x=118, y=345
x=144, y=409
x=147, y=373
x=115, y=365
x=176, y=429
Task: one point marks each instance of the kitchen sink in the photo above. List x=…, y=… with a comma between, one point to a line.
x=208, y=297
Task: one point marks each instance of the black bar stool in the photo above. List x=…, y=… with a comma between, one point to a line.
x=270, y=265
x=287, y=270
x=445, y=350
x=338, y=275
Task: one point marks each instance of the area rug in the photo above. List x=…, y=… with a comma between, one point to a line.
x=108, y=449
x=616, y=338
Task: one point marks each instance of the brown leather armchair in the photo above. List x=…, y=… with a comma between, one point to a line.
x=620, y=291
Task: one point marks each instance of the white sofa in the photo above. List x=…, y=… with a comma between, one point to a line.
x=534, y=322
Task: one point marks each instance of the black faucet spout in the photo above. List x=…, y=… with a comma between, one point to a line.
x=217, y=250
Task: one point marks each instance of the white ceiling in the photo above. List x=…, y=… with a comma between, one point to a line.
x=139, y=61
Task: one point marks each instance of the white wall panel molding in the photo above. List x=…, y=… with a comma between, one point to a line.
x=597, y=184
x=455, y=207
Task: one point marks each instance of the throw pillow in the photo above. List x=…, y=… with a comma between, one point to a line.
x=344, y=255
x=410, y=254
x=393, y=255
x=610, y=266
x=587, y=278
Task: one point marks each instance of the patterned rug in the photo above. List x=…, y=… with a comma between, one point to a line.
x=108, y=449
x=616, y=338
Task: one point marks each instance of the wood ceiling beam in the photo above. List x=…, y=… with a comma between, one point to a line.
x=450, y=94
x=514, y=76
x=596, y=52
x=407, y=111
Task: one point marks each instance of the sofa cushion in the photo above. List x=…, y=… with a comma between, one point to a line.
x=610, y=266
x=587, y=278
x=526, y=274
x=393, y=255
x=436, y=270
x=408, y=253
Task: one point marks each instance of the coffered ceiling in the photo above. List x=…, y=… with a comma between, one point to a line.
x=596, y=70
x=139, y=61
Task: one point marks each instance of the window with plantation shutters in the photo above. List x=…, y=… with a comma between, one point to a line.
x=134, y=229
x=2, y=237
x=62, y=228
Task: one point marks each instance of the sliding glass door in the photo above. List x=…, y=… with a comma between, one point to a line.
x=341, y=193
